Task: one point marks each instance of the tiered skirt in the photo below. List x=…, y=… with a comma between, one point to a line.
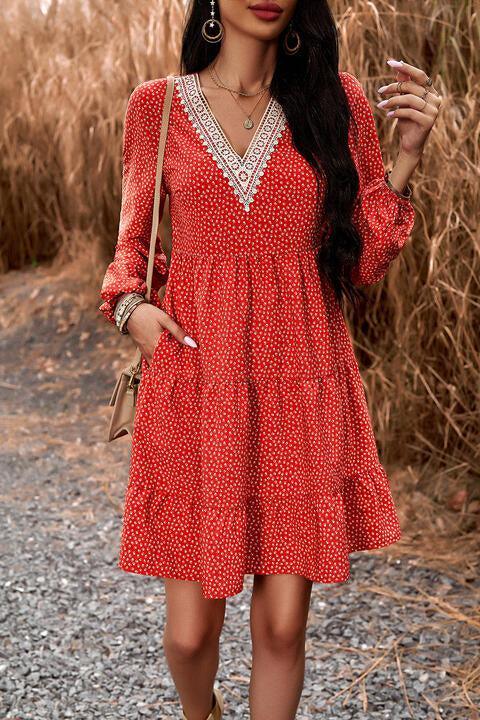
x=254, y=452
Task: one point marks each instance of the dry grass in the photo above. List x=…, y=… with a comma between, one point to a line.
x=418, y=337
x=64, y=80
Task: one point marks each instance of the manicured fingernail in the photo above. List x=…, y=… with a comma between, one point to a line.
x=391, y=112
x=395, y=63
x=189, y=341
x=382, y=89
x=382, y=103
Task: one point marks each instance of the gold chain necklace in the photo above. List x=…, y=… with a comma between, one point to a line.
x=248, y=123
x=237, y=92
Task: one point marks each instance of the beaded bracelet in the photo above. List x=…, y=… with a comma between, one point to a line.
x=124, y=303
x=394, y=189
x=125, y=308
x=123, y=325
x=123, y=319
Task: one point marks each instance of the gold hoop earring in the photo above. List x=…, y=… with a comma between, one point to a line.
x=213, y=22
x=291, y=41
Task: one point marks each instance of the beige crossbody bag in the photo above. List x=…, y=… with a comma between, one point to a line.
x=124, y=395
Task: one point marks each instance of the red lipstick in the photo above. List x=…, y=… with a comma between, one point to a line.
x=266, y=10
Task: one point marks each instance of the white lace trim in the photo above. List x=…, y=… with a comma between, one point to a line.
x=243, y=174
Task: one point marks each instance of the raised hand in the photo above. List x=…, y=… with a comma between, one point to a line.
x=413, y=100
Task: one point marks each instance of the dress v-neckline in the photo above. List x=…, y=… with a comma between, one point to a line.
x=241, y=158
x=244, y=173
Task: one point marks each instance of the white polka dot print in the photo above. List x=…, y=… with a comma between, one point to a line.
x=253, y=453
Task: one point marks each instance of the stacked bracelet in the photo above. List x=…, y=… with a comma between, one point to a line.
x=405, y=196
x=124, y=309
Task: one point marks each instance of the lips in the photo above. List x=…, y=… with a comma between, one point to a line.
x=266, y=10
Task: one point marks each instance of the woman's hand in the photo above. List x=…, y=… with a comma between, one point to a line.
x=146, y=324
x=414, y=103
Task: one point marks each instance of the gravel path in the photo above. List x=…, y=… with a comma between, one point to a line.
x=82, y=639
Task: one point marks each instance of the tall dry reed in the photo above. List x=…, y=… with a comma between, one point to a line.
x=65, y=76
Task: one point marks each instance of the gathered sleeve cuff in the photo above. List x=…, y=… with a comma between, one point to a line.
x=384, y=221
x=128, y=269
x=383, y=218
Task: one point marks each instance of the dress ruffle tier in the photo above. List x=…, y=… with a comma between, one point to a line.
x=254, y=504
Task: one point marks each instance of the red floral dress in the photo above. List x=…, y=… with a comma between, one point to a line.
x=254, y=452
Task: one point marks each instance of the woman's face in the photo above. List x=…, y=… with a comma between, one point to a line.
x=262, y=19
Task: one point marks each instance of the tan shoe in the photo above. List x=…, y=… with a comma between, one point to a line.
x=217, y=709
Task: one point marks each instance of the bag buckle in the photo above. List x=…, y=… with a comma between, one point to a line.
x=133, y=370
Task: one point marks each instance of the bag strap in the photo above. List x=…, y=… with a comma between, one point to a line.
x=158, y=179
x=167, y=104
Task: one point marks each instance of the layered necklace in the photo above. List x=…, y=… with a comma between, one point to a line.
x=248, y=123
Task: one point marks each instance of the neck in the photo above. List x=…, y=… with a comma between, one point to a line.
x=245, y=63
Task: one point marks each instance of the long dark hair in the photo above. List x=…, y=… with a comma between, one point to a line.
x=308, y=87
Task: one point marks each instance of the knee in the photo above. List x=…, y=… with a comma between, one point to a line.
x=283, y=638
x=185, y=645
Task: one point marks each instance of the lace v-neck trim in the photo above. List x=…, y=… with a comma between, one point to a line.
x=244, y=174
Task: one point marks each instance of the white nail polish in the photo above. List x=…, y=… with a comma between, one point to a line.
x=395, y=63
x=189, y=341
x=381, y=89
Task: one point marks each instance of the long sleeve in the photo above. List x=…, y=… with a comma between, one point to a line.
x=128, y=269
x=383, y=219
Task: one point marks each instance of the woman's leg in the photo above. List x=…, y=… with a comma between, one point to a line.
x=191, y=644
x=278, y=619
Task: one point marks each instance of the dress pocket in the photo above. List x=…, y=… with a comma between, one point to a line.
x=147, y=366
x=157, y=347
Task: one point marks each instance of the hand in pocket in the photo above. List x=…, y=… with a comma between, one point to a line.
x=146, y=324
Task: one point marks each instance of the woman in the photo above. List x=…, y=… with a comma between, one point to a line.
x=253, y=451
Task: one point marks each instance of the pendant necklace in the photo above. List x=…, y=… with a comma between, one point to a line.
x=248, y=123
